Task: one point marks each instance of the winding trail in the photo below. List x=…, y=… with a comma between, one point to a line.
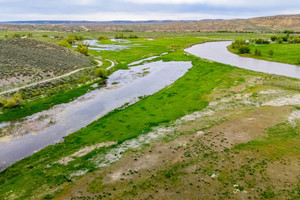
x=50, y=79
x=112, y=64
x=217, y=51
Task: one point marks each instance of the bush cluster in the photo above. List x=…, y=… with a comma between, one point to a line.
x=261, y=41
x=100, y=72
x=286, y=38
x=15, y=101
x=241, y=45
x=122, y=36
x=70, y=40
x=83, y=48
x=102, y=37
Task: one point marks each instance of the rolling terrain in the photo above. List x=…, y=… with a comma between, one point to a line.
x=258, y=24
x=24, y=61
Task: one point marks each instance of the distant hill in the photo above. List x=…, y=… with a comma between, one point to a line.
x=258, y=24
x=58, y=22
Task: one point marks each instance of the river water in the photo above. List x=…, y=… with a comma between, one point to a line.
x=133, y=83
x=217, y=51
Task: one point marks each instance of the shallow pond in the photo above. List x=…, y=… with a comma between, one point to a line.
x=131, y=84
x=96, y=45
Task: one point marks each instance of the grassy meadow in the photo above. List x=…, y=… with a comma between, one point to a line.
x=227, y=133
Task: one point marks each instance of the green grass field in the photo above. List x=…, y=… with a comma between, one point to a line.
x=284, y=53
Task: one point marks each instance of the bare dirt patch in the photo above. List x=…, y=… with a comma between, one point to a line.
x=83, y=152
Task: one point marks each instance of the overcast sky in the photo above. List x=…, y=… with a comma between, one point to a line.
x=105, y=10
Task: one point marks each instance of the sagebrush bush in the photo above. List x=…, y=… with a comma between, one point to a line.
x=83, y=48
x=271, y=52
x=100, y=72
x=257, y=52
x=16, y=101
x=101, y=37
x=244, y=49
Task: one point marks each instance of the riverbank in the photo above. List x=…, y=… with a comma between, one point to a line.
x=282, y=53
x=217, y=132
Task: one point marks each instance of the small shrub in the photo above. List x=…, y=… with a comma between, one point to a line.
x=48, y=196
x=70, y=40
x=257, y=52
x=285, y=38
x=268, y=193
x=236, y=44
x=273, y=38
x=83, y=48
x=100, y=72
x=102, y=37
x=261, y=41
x=77, y=37
x=16, y=35
x=16, y=101
x=288, y=31
x=119, y=36
x=64, y=43
x=298, y=60
x=29, y=35
x=280, y=40
x=244, y=49
x=294, y=39
x=271, y=52
x=133, y=36
x=44, y=35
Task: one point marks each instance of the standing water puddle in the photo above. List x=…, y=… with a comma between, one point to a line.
x=77, y=114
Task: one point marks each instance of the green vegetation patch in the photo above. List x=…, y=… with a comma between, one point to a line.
x=284, y=53
x=23, y=61
x=183, y=97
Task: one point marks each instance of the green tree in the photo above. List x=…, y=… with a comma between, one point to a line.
x=64, y=43
x=243, y=49
x=236, y=44
x=83, y=48
x=70, y=40
x=273, y=38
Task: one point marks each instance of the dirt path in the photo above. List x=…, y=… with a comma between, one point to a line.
x=85, y=28
x=112, y=64
x=47, y=80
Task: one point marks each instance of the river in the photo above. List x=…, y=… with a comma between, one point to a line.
x=123, y=86
x=217, y=51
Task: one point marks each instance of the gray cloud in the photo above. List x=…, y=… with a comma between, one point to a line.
x=141, y=9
